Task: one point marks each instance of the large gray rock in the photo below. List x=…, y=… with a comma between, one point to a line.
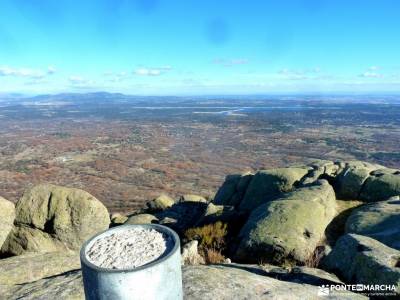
x=117, y=219
x=379, y=220
x=199, y=282
x=233, y=189
x=51, y=218
x=363, y=260
x=182, y=215
x=381, y=185
x=160, y=203
x=288, y=229
x=227, y=190
x=303, y=274
x=66, y=286
x=215, y=213
x=34, y=266
x=24, y=239
x=7, y=216
x=351, y=179
x=268, y=185
x=237, y=282
x=192, y=198
x=142, y=219
x=320, y=169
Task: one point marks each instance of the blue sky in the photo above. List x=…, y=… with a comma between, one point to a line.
x=158, y=47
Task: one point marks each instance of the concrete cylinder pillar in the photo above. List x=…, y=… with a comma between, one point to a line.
x=160, y=279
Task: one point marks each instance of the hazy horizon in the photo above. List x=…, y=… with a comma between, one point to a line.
x=199, y=95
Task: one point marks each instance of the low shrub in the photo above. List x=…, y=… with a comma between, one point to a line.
x=212, y=241
x=212, y=256
x=209, y=236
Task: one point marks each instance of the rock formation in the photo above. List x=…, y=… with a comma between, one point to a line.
x=142, y=219
x=7, y=216
x=52, y=218
x=363, y=260
x=295, y=218
x=160, y=203
x=268, y=185
x=379, y=220
x=290, y=227
x=199, y=282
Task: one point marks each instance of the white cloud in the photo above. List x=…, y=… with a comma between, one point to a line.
x=51, y=70
x=369, y=74
x=147, y=72
x=77, y=79
x=79, y=82
x=165, y=68
x=116, y=76
x=314, y=73
x=36, y=81
x=26, y=72
x=293, y=74
x=143, y=71
x=373, y=68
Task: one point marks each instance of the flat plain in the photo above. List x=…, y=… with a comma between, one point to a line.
x=126, y=150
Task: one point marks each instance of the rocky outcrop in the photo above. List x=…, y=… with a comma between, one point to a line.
x=51, y=218
x=288, y=228
x=23, y=239
x=363, y=260
x=268, y=185
x=381, y=185
x=353, y=180
x=34, y=266
x=142, y=219
x=117, y=219
x=66, y=286
x=379, y=220
x=160, y=203
x=238, y=282
x=199, y=282
x=313, y=276
x=350, y=181
x=182, y=215
x=7, y=216
x=279, y=216
x=233, y=189
x=192, y=198
x=321, y=169
x=215, y=213
x=54, y=275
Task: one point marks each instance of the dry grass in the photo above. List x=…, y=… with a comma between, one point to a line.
x=209, y=236
x=212, y=256
x=211, y=239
